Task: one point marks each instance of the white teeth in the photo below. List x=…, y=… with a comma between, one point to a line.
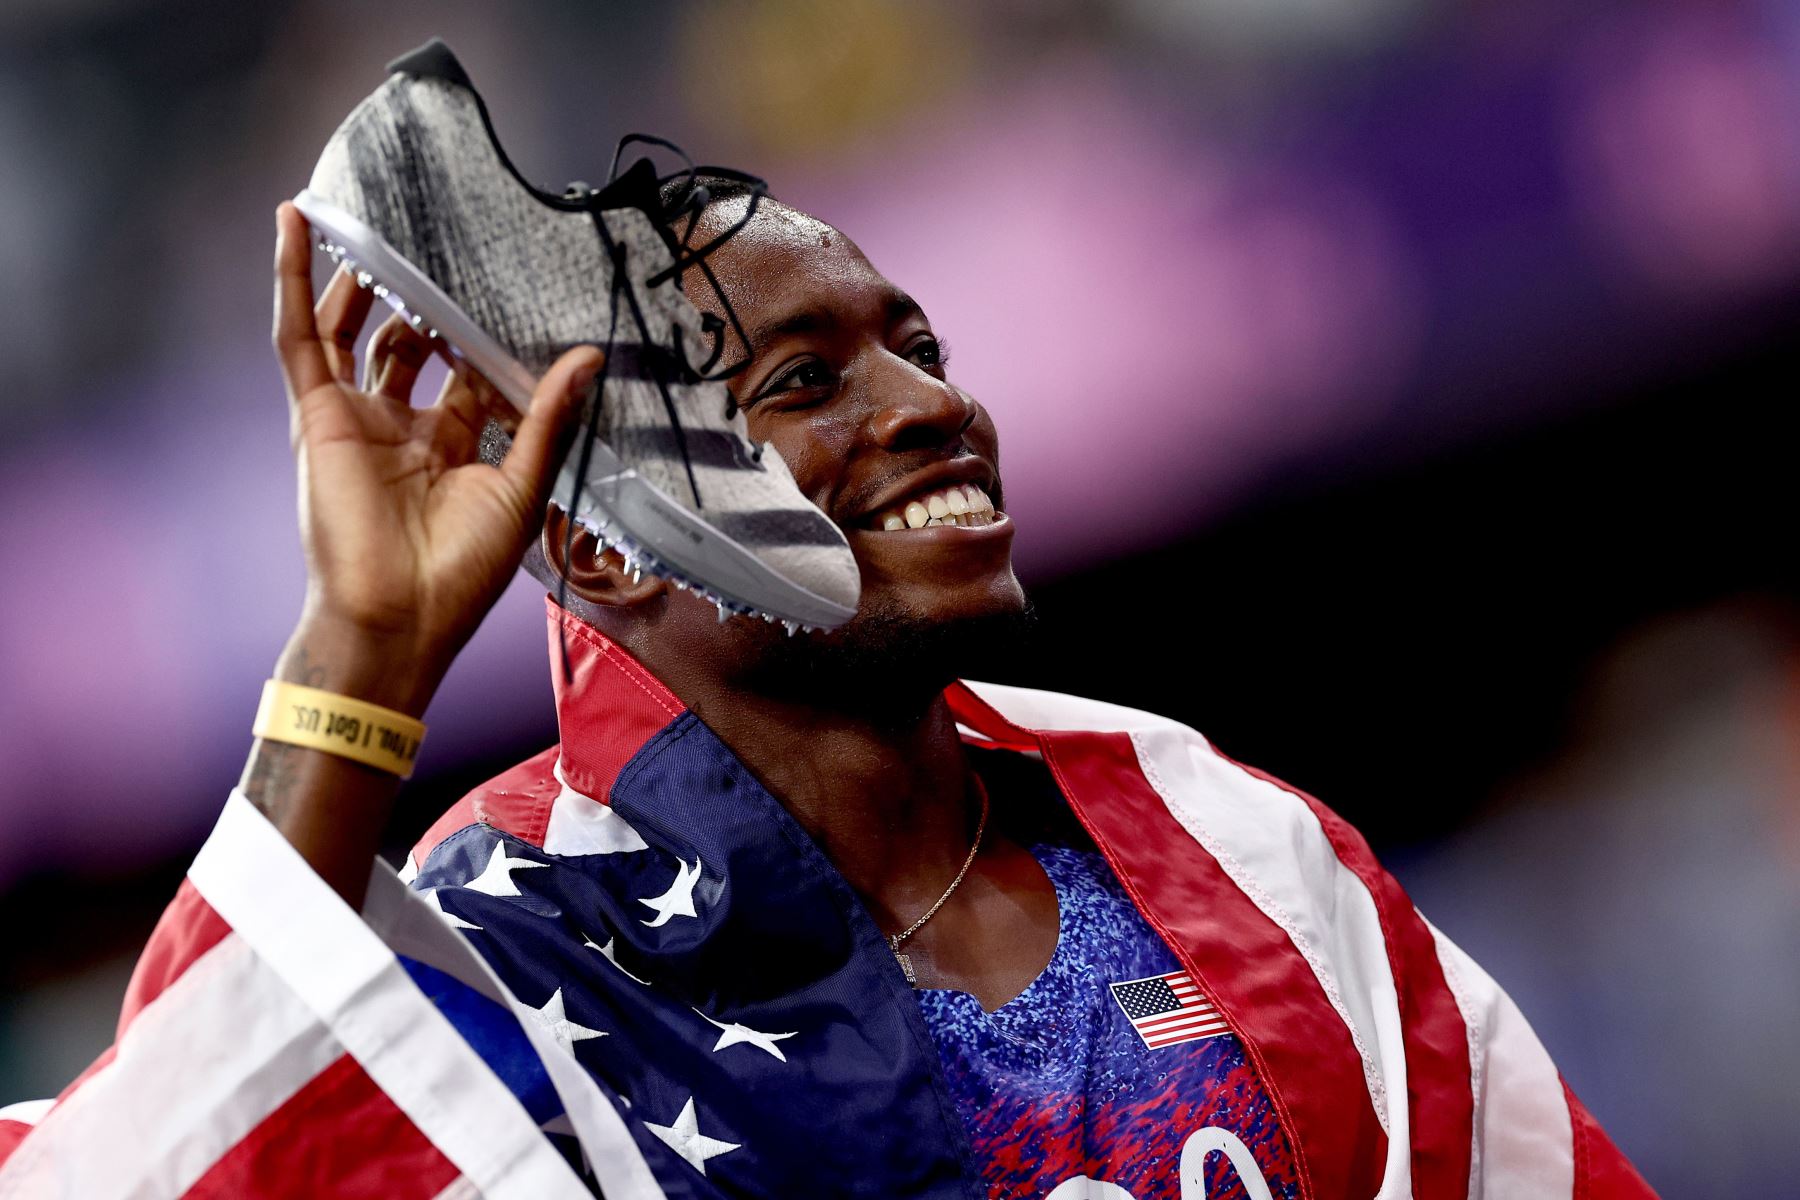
x=967, y=507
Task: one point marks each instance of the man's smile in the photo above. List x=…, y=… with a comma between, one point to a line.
x=955, y=505
x=956, y=494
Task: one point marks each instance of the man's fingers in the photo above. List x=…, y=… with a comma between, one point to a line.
x=396, y=354
x=296, y=337
x=339, y=317
x=472, y=401
x=548, y=425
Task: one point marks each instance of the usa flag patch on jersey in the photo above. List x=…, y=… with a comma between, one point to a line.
x=1167, y=1010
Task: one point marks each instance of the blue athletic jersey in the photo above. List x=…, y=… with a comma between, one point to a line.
x=1100, y=1074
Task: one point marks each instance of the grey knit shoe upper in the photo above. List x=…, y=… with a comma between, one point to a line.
x=415, y=173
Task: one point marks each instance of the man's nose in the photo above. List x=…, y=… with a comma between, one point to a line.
x=916, y=410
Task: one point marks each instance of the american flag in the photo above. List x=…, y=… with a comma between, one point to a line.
x=1167, y=1010
x=576, y=994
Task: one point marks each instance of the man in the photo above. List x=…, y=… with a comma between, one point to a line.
x=777, y=916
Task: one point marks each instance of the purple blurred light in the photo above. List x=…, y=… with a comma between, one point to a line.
x=1685, y=152
x=1152, y=324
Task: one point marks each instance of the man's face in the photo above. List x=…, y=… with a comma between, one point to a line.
x=847, y=380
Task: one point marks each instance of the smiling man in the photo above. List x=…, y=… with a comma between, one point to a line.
x=780, y=916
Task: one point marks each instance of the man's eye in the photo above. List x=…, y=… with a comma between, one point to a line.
x=930, y=353
x=809, y=374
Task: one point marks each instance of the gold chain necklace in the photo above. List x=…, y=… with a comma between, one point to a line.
x=894, y=939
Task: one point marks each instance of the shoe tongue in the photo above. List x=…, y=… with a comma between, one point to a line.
x=635, y=187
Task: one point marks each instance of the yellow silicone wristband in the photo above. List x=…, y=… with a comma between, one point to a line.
x=320, y=720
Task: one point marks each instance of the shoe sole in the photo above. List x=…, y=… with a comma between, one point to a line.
x=652, y=532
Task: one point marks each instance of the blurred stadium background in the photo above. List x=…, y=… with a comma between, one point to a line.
x=1389, y=388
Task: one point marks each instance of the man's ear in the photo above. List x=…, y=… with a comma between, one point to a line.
x=598, y=578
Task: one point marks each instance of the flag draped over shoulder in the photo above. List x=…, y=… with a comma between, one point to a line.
x=707, y=1010
x=1399, y=1067
x=275, y=1043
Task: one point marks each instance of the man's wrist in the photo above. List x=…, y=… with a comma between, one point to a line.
x=388, y=669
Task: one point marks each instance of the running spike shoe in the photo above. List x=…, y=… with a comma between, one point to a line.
x=414, y=194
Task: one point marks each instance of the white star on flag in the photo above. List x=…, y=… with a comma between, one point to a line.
x=496, y=878
x=450, y=918
x=684, y=1138
x=565, y=1031
x=734, y=1034
x=678, y=901
x=606, y=951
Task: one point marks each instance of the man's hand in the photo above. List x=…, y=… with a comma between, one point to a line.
x=409, y=538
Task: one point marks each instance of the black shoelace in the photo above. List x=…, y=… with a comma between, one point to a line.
x=672, y=359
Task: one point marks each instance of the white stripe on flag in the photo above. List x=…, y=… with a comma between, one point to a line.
x=1185, y=1035
x=27, y=1112
x=200, y=1067
x=340, y=969
x=1185, y=1017
x=1186, y=1021
x=1524, y=1143
x=460, y=1189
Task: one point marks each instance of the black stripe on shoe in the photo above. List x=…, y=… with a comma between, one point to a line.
x=777, y=527
x=715, y=448
x=633, y=361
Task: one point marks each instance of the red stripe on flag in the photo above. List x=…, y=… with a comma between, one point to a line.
x=1167, y=1027
x=1190, y=1035
x=1192, y=1012
x=1439, y=1089
x=1156, y=1025
x=1601, y=1171
x=1299, y=1045
x=187, y=929
x=1184, y=1021
x=11, y=1134
x=610, y=712
x=338, y=1136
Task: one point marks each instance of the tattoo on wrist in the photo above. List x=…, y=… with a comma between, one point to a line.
x=268, y=777
x=304, y=669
